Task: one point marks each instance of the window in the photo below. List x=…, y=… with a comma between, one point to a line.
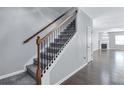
x=119, y=39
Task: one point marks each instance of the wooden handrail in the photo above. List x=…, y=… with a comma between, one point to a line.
x=31, y=37
x=41, y=39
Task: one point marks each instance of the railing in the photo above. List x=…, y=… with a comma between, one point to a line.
x=44, y=42
x=52, y=23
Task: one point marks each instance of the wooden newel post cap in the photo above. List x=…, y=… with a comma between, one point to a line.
x=38, y=40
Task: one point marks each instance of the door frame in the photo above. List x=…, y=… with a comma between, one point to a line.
x=89, y=29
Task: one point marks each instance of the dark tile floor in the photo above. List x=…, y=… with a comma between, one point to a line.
x=107, y=68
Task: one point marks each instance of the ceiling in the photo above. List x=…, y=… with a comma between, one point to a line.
x=106, y=18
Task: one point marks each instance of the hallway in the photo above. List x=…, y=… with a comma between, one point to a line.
x=107, y=68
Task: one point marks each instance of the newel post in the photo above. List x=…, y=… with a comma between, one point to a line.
x=38, y=69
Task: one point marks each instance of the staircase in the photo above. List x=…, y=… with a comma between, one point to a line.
x=54, y=49
x=52, y=44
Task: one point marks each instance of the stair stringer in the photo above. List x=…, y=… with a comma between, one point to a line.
x=46, y=76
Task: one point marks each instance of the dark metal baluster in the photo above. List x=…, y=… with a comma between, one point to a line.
x=41, y=56
x=59, y=34
x=56, y=38
x=53, y=46
x=49, y=46
x=62, y=31
x=44, y=57
x=57, y=41
x=47, y=54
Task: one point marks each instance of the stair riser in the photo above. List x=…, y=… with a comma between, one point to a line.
x=61, y=40
x=65, y=36
x=61, y=37
x=48, y=57
x=52, y=50
x=67, y=32
x=71, y=26
x=70, y=29
x=31, y=73
x=56, y=45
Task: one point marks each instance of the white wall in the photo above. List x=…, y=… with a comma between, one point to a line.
x=97, y=37
x=16, y=24
x=74, y=54
x=112, y=44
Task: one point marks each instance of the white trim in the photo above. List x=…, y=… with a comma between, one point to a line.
x=115, y=49
x=90, y=61
x=11, y=74
x=94, y=50
x=68, y=76
x=17, y=72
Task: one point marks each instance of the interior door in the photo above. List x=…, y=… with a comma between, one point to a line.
x=89, y=44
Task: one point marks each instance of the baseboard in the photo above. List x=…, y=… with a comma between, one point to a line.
x=116, y=49
x=90, y=60
x=68, y=76
x=95, y=50
x=11, y=74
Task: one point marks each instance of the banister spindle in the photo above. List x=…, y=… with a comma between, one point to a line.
x=38, y=69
